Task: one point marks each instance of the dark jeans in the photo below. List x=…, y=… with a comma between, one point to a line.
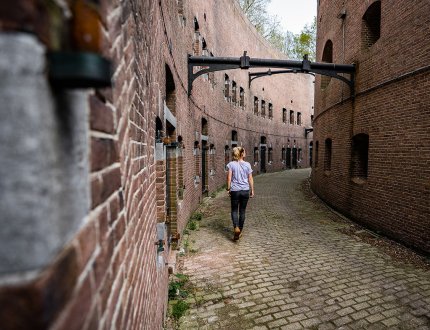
x=239, y=199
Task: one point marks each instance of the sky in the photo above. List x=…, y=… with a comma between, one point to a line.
x=293, y=14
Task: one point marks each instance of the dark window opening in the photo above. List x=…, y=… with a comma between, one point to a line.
x=233, y=92
x=284, y=115
x=256, y=155
x=328, y=58
x=263, y=140
x=205, y=130
x=226, y=86
x=371, y=25
x=226, y=156
x=234, y=136
x=255, y=105
x=270, y=110
x=360, y=156
x=327, y=155
x=242, y=97
x=299, y=118
x=263, y=108
x=170, y=91
x=291, y=117
x=158, y=130
x=316, y=153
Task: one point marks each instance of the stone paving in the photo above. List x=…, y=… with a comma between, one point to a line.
x=295, y=269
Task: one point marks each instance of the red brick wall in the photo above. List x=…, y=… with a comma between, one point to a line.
x=391, y=107
x=115, y=280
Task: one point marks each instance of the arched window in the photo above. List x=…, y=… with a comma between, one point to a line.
x=226, y=156
x=181, y=185
x=242, y=97
x=197, y=38
x=158, y=130
x=170, y=91
x=291, y=117
x=327, y=155
x=263, y=108
x=256, y=155
x=233, y=92
x=234, y=136
x=263, y=140
x=284, y=115
x=270, y=110
x=371, y=25
x=360, y=156
x=328, y=58
x=255, y=105
x=316, y=153
x=205, y=130
x=226, y=87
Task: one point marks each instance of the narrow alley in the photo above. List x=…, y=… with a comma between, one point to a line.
x=295, y=268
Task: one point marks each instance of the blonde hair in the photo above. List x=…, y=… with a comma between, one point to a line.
x=238, y=153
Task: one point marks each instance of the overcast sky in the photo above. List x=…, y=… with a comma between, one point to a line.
x=293, y=14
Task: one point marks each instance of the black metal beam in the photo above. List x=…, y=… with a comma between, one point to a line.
x=212, y=64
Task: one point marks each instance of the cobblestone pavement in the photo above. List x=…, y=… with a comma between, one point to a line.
x=295, y=269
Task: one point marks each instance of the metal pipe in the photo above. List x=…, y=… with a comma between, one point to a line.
x=206, y=60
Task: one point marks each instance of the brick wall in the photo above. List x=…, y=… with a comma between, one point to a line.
x=391, y=107
x=111, y=274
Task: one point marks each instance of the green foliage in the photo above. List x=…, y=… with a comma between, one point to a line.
x=179, y=309
x=192, y=225
x=176, y=287
x=303, y=43
x=295, y=46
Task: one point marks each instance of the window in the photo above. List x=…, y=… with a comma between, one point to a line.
x=226, y=156
x=316, y=154
x=270, y=155
x=255, y=105
x=328, y=58
x=270, y=110
x=233, y=92
x=170, y=91
x=197, y=38
x=255, y=155
x=205, y=130
x=158, y=130
x=196, y=153
x=312, y=119
x=284, y=115
x=291, y=117
x=360, y=156
x=226, y=86
x=181, y=185
x=263, y=108
x=371, y=25
x=327, y=155
x=283, y=155
x=242, y=97
x=299, y=118
x=234, y=136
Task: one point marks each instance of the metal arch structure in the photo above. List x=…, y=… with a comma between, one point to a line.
x=212, y=64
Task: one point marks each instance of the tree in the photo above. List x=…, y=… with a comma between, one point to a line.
x=294, y=45
x=303, y=43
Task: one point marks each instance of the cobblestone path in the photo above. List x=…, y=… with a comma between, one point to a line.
x=295, y=269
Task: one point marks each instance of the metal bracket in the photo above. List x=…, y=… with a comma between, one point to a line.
x=212, y=64
x=308, y=130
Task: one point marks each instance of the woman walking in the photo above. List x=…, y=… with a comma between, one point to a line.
x=240, y=186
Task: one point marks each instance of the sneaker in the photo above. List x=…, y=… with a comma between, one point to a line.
x=236, y=233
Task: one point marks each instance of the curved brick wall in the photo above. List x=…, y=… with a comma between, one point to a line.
x=391, y=107
x=110, y=274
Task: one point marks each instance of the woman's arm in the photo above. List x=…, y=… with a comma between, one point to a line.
x=251, y=185
x=229, y=174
